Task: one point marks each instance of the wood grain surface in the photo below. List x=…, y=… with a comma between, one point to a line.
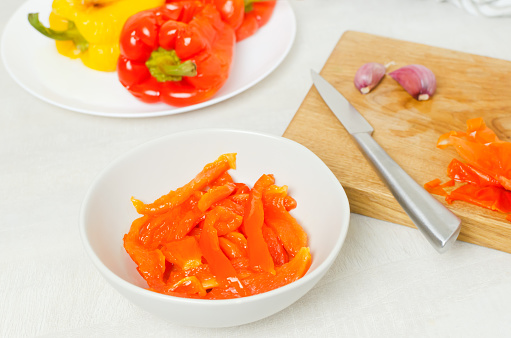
x=469, y=86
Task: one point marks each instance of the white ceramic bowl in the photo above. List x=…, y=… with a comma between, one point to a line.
x=153, y=169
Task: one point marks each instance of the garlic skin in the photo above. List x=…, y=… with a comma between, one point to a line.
x=368, y=76
x=417, y=80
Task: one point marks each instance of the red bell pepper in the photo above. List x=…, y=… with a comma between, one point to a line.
x=231, y=11
x=244, y=16
x=257, y=14
x=180, y=53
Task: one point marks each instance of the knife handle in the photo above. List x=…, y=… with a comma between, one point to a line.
x=437, y=223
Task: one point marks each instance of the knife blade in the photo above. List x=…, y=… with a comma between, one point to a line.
x=438, y=224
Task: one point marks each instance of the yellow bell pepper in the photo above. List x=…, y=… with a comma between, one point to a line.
x=90, y=29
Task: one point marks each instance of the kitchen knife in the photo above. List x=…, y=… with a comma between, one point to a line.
x=437, y=223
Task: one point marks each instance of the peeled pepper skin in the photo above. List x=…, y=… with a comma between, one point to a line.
x=99, y=24
x=485, y=176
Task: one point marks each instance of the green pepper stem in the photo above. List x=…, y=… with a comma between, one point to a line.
x=165, y=65
x=70, y=34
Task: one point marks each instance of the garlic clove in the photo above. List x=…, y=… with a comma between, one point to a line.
x=417, y=80
x=368, y=76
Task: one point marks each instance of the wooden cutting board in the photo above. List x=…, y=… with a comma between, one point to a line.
x=469, y=86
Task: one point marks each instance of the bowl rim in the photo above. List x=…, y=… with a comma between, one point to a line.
x=112, y=277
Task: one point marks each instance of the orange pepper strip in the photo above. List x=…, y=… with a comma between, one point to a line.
x=202, y=272
x=242, y=267
x=277, y=251
x=215, y=194
x=195, y=232
x=186, y=223
x=209, y=174
x=219, y=264
x=230, y=205
x=172, y=225
x=230, y=249
x=188, y=285
x=225, y=220
x=222, y=293
x=258, y=253
x=239, y=239
x=287, y=273
x=184, y=253
x=240, y=199
x=150, y=263
x=290, y=203
x=242, y=188
x=288, y=230
x=222, y=179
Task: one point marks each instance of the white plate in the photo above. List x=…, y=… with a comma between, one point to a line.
x=32, y=60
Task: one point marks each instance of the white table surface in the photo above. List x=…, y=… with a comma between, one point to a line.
x=386, y=282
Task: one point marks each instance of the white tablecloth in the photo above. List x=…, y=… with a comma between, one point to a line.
x=386, y=282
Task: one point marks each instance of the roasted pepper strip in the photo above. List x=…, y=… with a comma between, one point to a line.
x=287, y=273
x=257, y=14
x=210, y=172
x=89, y=29
x=179, y=54
x=173, y=224
x=185, y=253
x=186, y=287
x=222, y=180
x=215, y=194
x=277, y=251
x=217, y=261
x=150, y=263
x=202, y=272
x=238, y=238
x=230, y=249
x=276, y=216
x=225, y=220
x=258, y=252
